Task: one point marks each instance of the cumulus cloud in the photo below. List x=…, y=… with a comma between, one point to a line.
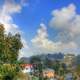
x=41, y=41
x=42, y=44
x=67, y=21
x=69, y=45
x=63, y=16
x=7, y=10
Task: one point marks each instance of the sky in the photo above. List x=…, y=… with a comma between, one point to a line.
x=46, y=26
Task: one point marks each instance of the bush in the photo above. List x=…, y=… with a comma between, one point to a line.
x=8, y=71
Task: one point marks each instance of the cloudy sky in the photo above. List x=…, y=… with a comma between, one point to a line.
x=46, y=26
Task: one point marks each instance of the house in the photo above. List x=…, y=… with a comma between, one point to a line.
x=69, y=59
x=27, y=68
x=49, y=73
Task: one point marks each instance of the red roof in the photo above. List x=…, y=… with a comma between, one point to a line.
x=26, y=65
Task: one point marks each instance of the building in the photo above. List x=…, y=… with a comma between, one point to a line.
x=69, y=59
x=49, y=73
x=27, y=68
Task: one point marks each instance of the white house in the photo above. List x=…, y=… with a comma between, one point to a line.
x=27, y=68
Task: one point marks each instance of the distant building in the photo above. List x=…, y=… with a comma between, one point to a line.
x=69, y=59
x=27, y=68
x=49, y=73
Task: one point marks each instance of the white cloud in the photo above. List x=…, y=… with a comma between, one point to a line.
x=69, y=45
x=11, y=7
x=6, y=16
x=42, y=44
x=67, y=21
x=62, y=17
x=41, y=41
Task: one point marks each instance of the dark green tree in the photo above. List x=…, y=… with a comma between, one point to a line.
x=9, y=46
x=9, y=51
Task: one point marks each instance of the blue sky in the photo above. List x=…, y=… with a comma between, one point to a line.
x=38, y=11
x=38, y=20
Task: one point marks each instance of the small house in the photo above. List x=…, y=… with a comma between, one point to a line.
x=27, y=68
x=49, y=73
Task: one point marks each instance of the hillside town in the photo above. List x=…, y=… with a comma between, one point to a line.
x=53, y=67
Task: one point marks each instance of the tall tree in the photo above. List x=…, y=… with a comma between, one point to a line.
x=9, y=46
x=2, y=38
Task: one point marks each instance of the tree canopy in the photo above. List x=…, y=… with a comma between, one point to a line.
x=9, y=46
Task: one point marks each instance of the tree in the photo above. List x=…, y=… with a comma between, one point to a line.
x=78, y=70
x=1, y=41
x=9, y=51
x=9, y=46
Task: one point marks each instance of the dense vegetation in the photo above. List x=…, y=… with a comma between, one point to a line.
x=9, y=51
x=9, y=46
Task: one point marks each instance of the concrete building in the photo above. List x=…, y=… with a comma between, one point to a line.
x=69, y=59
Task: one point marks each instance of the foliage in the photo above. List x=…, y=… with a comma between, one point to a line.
x=22, y=76
x=9, y=51
x=9, y=46
x=8, y=71
x=78, y=70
